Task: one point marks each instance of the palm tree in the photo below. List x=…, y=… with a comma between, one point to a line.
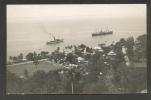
x=36, y=62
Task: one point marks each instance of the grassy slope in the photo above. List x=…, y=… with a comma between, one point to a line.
x=31, y=68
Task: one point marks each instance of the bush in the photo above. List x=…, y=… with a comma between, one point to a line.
x=35, y=83
x=14, y=83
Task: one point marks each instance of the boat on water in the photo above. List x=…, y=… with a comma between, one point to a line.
x=55, y=41
x=102, y=33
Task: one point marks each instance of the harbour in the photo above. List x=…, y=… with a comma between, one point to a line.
x=76, y=49
x=72, y=35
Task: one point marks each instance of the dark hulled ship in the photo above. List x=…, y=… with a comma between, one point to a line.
x=102, y=33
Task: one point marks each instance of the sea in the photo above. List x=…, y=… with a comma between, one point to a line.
x=29, y=36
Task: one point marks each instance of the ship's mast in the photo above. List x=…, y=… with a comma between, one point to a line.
x=53, y=36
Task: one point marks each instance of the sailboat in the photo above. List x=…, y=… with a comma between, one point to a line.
x=55, y=41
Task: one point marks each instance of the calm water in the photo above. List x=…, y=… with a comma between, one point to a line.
x=32, y=36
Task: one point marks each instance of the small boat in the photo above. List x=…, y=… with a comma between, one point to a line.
x=55, y=41
x=102, y=33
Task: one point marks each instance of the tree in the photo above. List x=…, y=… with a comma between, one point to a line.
x=44, y=54
x=35, y=55
x=70, y=58
x=10, y=58
x=39, y=56
x=142, y=40
x=82, y=46
x=20, y=56
x=130, y=45
x=117, y=47
x=141, y=45
x=30, y=56
x=15, y=59
x=122, y=41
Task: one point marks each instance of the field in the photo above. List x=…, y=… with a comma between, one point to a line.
x=19, y=69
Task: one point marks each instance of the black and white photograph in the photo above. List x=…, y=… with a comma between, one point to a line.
x=76, y=49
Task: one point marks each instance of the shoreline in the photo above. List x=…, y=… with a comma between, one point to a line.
x=48, y=54
x=43, y=47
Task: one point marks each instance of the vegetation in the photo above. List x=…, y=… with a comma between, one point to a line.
x=99, y=73
x=52, y=82
x=30, y=56
x=141, y=46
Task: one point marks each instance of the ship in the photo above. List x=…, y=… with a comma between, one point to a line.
x=102, y=33
x=55, y=41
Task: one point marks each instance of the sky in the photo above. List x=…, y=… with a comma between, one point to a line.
x=74, y=11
